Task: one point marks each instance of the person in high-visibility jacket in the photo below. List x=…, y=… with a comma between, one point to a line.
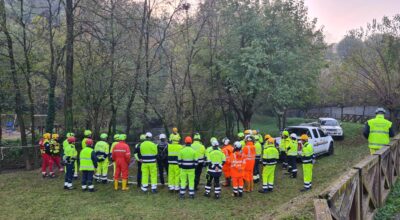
x=69, y=158
x=173, y=167
x=378, y=131
x=162, y=157
x=88, y=164
x=227, y=149
x=292, y=156
x=142, y=138
x=211, y=148
x=215, y=161
x=66, y=144
x=116, y=141
x=174, y=135
x=187, y=160
x=47, y=162
x=88, y=135
x=102, y=150
x=307, y=158
x=148, y=156
x=201, y=156
x=238, y=163
x=121, y=154
x=240, y=136
x=259, y=149
x=249, y=153
x=270, y=158
x=286, y=141
x=55, y=151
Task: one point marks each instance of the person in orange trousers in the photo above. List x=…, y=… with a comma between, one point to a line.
x=227, y=149
x=121, y=154
x=238, y=164
x=249, y=153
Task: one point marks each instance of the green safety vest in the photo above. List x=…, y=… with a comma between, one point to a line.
x=307, y=153
x=69, y=151
x=173, y=153
x=187, y=158
x=293, y=148
x=85, y=158
x=148, y=152
x=215, y=159
x=285, y=143
x=65, y=144
x=103, y=148
x=270, y=154
x=200, y=150
x=259, y=149
x=378, y=132
x=174, y=137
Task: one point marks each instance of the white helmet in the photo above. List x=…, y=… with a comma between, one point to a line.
x=226, y=141
x=380, y=111
x=293, y=135
x=249, y=138
x=163, y=136
x=237, y=145
x=214, y=143
x=149, y=135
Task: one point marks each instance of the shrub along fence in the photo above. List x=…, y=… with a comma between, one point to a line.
x=358, y=193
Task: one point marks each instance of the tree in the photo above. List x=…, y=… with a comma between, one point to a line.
x=69, y=66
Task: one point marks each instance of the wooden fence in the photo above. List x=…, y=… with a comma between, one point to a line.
x=358, y=193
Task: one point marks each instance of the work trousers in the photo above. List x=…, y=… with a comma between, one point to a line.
x=87, y=180
x=213, y=177
x=69, y=174
x=149, y=169
x=307, y=175
x=187, y=175
x=173, y=176
x=268, y=177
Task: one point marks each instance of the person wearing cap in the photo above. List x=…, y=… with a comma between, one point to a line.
x=136, y=154
x=378, y=131
x=69, y=158
x=187, y=161
x=173, y=168
x=227, y=149
x=249, y=153
x=270, y=158
x=201, y=153
x=88, y=135
x=47, y=162
x=88, y=164
x=174, y=135
x=116, y=141
x=56, y=152
x=292, y=156
x=121, y=154
x=238, y=163
x=148, y=156
x=286, y=141
x=162, y=158
x=65, y=145
x=102, y=150
x=307, y=158
x=259, y=150
x=215, y=161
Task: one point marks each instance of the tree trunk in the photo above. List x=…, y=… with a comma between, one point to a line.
x=284, y=119
x=51, y=109
x=17, y=90
x=69, y=67
x=128, y=111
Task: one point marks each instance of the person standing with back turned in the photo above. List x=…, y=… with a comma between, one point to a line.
x=378, y=131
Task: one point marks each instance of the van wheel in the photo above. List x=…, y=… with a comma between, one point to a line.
x=330, y=150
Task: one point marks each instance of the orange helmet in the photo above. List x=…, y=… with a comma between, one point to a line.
x=267, y=136
x=188, y=140
x=271, y=140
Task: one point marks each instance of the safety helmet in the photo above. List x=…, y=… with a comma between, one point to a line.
x=188, y=140
x=240, y=135
x=175, y=129
x=55, y=136
x=89, y=142
x=71, y=140
x=213, y=139
x=285, y=133
x=103, y=136
x=149, y=135
x=163, y=136
x=46, y=135
x=247, y=132
x=267, y=136
x=271, y=140
x=256, y=137
x=380, y=111
x=142, y=137
x=304, y=137
x=116, y=137
x=197, y=136
x=225, y=141
x=70, y=134
x=87, y=133
x=215, y=143
x=249, y=138
x=122, y=137
x=293, y=135
x=254, y=132
x=237, y=145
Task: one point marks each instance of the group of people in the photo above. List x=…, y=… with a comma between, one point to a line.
x=240, y=163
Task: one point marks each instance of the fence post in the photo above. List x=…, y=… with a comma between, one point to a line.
x=384, y=173
x=321, y=210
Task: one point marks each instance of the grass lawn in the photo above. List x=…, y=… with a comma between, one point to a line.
x=27, y=196
x=391, y=210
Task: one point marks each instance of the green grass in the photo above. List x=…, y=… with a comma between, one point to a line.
x=27, y=196
x=391, y=210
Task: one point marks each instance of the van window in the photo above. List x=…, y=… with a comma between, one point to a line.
x=321, y=133
x=315, y=133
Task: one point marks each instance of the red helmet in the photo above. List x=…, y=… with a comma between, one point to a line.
x=89, y=142
x=188, y=140
x=71, y=140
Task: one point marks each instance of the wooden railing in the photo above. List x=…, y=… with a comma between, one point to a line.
x=359, y=192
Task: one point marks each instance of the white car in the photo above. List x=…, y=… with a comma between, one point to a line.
x=322, y=143
x=331, y=127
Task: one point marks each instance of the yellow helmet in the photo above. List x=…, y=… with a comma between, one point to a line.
x=46, y=135
x=271, y=140
x=255, y=132
x=55, y=136
x=304, y=137
x=175, y=130
x=267, y=136
x=247, y=132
